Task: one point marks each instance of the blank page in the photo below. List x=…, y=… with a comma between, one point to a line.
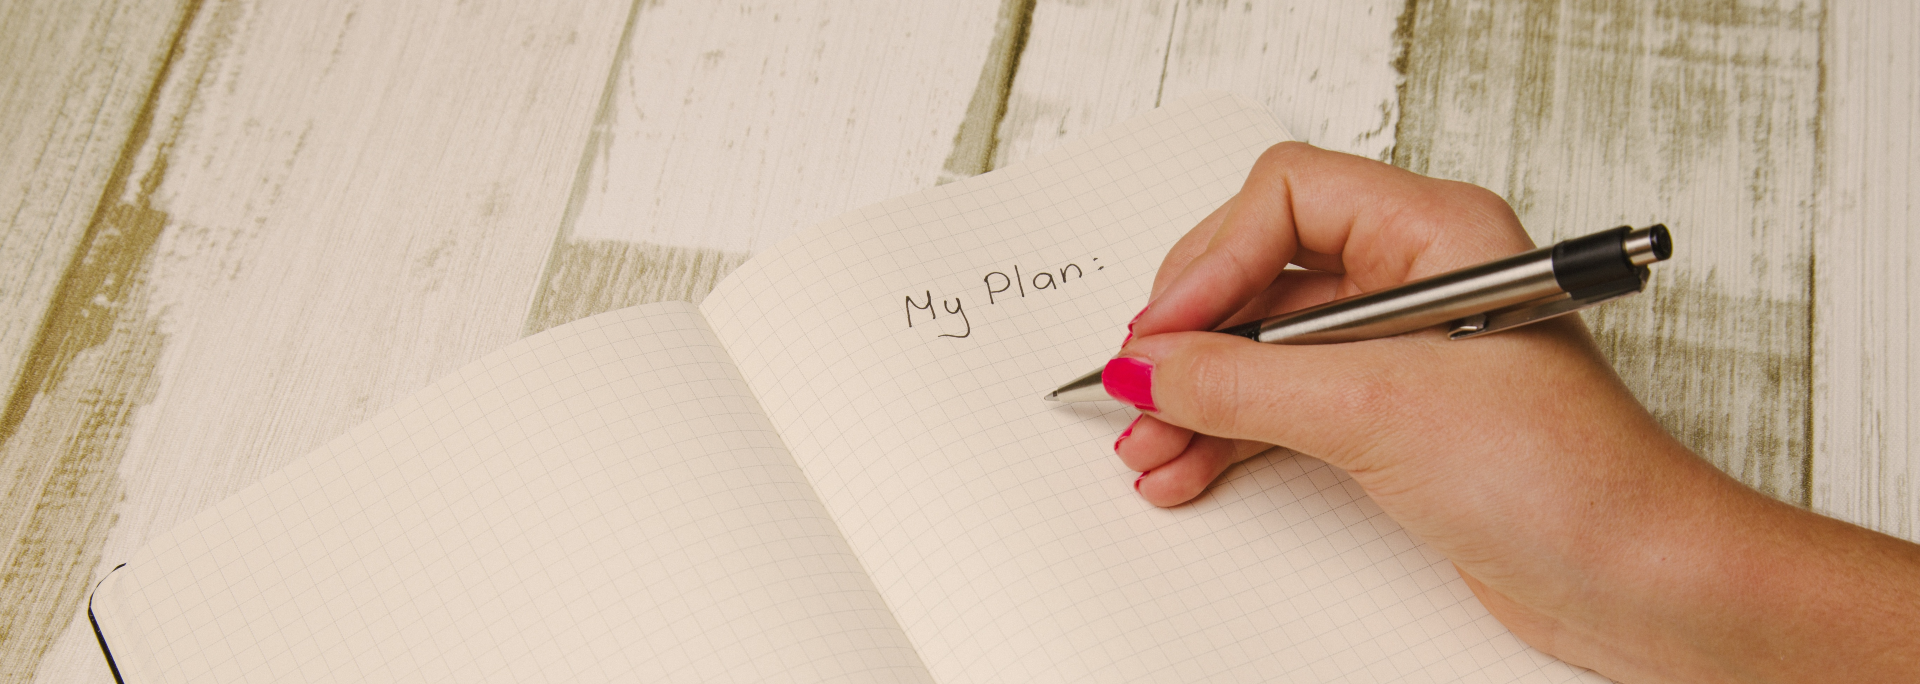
x=603, y=501
x=902, y=351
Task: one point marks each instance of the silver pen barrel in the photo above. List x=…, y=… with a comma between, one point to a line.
x=1520, y=289
x=1405, y=308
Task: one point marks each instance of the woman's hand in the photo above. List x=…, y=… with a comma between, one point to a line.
x=1577, y=520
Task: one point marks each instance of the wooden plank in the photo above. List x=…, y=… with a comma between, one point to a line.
x=335, y=202
x=1324, y=68
x=74, y=79
x=1866, y=457
x=728, y=125
x=1589, y=114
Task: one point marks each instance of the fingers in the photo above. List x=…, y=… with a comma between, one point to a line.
x=1179, y=476
x=1188, y=247
x=1292, y=291
x=1301, y=204
x=1149, y=443
x=1320, y=400
x=1359, y=225
x=1195, y=242
x=1176, y=465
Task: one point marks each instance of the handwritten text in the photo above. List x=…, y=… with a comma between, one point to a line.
x=997, y=287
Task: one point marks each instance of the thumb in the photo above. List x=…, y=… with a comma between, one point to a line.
x=1328, y=401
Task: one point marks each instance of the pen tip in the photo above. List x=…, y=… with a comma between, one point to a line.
x=1052, y=396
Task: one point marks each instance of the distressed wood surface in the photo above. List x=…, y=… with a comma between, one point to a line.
x=335, y=202
x=1593, y=113
x=74, y=86
x=725, y=126
x=324, y=205
x=1324, y=68
x=1866, y=464
x=73, y=75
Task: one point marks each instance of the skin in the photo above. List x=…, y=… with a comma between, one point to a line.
x=1576, y=519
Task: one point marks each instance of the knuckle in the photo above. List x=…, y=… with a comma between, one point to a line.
x=1281, y=154
x=1475, y=205
x=1475, y=197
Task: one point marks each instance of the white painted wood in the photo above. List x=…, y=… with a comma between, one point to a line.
x=1866, y=336
x=726, y=126
x=1324, y=68
x=1087, y=66
x=350, y=199
x=730, y=124
x=74, y=77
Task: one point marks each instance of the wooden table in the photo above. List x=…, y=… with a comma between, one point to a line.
x=234, y=228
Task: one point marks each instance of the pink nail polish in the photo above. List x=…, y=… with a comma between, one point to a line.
x=1130, y=380
x=1136, y=481
x=1135, y=319
x=1126, y=432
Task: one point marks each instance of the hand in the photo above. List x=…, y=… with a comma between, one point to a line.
x=1571, y=513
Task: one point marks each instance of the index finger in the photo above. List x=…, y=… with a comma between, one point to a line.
x=1385, y=226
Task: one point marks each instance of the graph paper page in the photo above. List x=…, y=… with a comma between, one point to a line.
x=915, y=339
x=603, y=501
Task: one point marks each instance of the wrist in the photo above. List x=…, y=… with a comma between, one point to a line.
x=1667, y=563
x=1718, y=583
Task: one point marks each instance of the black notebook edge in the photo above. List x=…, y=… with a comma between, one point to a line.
x=97, y=635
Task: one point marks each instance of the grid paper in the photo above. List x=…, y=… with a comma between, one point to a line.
x=600, y=502
x=1000, y=528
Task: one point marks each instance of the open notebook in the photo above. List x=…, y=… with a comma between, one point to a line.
x=837, y=468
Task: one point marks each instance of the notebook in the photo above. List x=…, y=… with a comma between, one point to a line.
x=837, y=468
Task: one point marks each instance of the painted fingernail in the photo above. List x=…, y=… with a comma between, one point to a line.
x=1126, y=432
x=1130, y=322
x=1136, y=481
x=1130, y=380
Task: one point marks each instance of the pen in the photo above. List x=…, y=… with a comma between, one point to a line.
x=1473, y=301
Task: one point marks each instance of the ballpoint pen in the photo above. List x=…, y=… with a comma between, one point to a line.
x=1473, y=301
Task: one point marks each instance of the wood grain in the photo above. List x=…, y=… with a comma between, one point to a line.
x=1324, y=68
x=1593, y=113
x=81, y=135
x=75, y=74
x=726, y=126
x=335, y=203
x=1866, y=356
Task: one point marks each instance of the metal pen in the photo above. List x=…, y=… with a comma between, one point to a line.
x=1473, y=301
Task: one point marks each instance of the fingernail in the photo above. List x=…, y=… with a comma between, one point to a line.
x=1136, y=481
x=1130, y=322
x=1124, y=433
x=1130, y=380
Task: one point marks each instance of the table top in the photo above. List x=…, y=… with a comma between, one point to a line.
x=237, y=228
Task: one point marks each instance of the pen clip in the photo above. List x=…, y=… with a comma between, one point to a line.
x=1543, y=309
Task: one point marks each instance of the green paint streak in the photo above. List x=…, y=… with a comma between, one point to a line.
x=978, y=140
x=594, y=276
x=59, y=509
